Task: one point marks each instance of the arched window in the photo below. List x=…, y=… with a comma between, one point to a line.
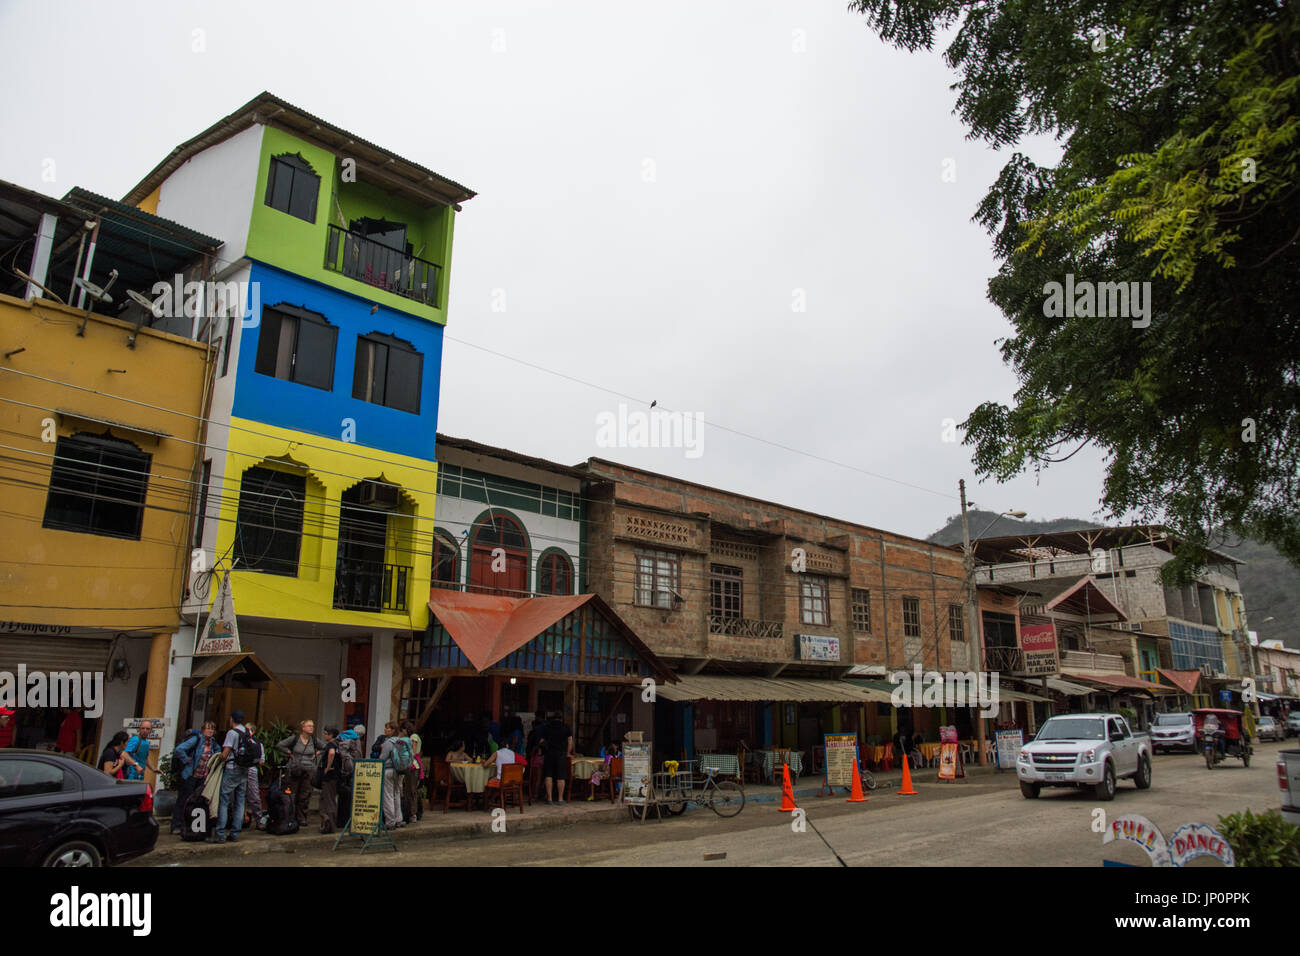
x=446, y=562
x=554, y=574
x=499, y=556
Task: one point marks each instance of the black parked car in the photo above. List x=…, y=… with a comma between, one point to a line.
x=57, y=811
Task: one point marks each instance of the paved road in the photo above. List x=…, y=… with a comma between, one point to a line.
x=979, y=822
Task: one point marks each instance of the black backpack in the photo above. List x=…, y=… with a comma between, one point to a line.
x=281, y=817
x=196, y=818
x=247, y=750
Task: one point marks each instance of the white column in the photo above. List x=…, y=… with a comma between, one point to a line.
x=381, y=683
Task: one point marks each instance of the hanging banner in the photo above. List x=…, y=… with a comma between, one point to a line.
x=841, y=755
x=221, y=635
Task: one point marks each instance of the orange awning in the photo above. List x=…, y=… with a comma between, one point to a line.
x=490, y=627
x=1184, y=680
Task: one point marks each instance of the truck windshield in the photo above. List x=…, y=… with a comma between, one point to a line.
x=1167, y=720
x=1073, y=728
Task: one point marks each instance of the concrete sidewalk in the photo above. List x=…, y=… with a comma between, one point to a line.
x=461, y=824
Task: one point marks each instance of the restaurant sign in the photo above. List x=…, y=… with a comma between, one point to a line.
x=813, y=647
x=367, y=820
x=1039, y=644
x=841, y=755
x=636, y=772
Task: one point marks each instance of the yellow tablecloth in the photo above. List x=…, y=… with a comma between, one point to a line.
x=473, y=775
x=929, y=751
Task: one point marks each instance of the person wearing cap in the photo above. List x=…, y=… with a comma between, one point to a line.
x=234, y=785
x=8, y=727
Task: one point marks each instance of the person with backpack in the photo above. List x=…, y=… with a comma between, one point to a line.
x=240, y=751
x=255, y=809
x=303, y=750
x=349, y=752
x=411, y=779
x=396, y=756
x=192, y=756
x=329, y=781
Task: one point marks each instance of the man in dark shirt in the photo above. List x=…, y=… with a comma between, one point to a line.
x=557, y=738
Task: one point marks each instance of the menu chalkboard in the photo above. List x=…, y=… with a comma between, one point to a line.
x=841, y=754
x=367, y=820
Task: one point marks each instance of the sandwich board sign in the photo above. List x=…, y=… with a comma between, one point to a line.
x=841, y=755
x=367, y=820
x=636, y=772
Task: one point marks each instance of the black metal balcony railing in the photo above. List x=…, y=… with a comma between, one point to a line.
x=360, y=586
x=743, y=627
x=376, y=264
x=1010, y=660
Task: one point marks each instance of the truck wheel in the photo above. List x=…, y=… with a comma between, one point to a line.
x=1143, y=776
x=1030, y=790
x=1106, y=789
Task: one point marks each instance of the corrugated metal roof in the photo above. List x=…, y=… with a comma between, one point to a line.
x=717, y=687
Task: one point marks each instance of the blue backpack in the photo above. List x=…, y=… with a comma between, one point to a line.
x=402, y=755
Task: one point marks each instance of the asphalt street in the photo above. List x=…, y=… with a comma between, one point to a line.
x=982, y=821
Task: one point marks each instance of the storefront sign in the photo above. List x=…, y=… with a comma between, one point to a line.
x=1009, y=743
x=132, y=726
x=1038, y=641
x=841, y=755
x=221, y=636
x=636, y=772
x=813, y=647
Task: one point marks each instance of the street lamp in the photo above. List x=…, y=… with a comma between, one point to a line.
x=973, y=603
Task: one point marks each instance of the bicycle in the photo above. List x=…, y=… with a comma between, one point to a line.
x=674, y=791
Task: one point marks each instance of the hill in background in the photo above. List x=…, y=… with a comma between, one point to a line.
x=1269, y=583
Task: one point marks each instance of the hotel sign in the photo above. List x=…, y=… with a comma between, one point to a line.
x=815, y=648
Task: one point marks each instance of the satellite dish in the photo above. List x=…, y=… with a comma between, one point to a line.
x=92, y=290
x=143, y=302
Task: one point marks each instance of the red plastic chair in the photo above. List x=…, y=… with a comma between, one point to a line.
x=887, y=760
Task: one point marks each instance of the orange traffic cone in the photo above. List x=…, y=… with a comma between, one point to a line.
x=856, y=796
x=906, y=790
x=787, y=794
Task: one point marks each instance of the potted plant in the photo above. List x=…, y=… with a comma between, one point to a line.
x=268, y=736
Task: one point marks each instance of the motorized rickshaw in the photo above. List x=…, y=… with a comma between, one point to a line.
x=1228, y=739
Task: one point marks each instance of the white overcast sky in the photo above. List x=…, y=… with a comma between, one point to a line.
x=788, y=148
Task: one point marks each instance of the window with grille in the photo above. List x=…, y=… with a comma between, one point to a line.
x=658, y=575
x=726, y=591
x=814, y=600
x=446, y=562
x=296, y=345
x=268, y=527
x=862, y=610
x=97, y=486
x=956, y=622
x=911, y=617
x=293, y=187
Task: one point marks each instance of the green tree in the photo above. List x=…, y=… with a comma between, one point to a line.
x=1179, y=127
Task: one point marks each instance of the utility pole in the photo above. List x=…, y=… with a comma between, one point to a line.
x=973, y=612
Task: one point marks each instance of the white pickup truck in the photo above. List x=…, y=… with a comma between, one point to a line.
x=1084, y=750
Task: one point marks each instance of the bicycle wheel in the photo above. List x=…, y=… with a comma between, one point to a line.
x=868, y=780
x=727, y=798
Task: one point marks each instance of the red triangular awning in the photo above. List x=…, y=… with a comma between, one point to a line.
x=490, y=627
x=487, y=627
x=1184, y=680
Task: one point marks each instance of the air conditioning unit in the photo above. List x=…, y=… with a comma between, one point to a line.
x=1207, y=670
x=375, y=494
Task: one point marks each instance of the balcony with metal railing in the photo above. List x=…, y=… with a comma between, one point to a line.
x=361, y=258
x=743, y=627
x=361, y=586
x=1005, y=660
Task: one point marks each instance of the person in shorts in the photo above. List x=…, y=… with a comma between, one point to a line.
x=557, y=738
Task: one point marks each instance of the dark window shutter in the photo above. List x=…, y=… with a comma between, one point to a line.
x=268, y=340
x=403, y=387
x=314, y=363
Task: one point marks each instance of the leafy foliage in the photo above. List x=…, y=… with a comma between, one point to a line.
x=1179, y=126
x=1263, y=840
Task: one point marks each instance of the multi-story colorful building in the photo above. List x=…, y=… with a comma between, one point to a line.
x=319, y=468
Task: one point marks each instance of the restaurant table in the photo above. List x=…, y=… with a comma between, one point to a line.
x=929, y=751
x=473, y=775
x=769, y=761
x=584, y=767
x=727, y=764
